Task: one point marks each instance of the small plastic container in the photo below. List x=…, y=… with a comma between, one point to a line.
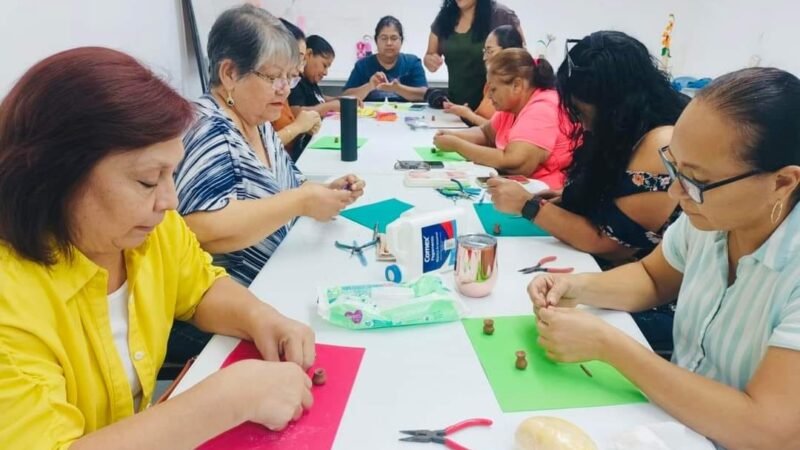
x=422, y=243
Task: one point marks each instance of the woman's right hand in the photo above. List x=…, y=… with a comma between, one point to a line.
x=433, y=61
x=459, y=110
x=323, y=203
x=554, y=290
x=268, y=393
x=377, y=79
x=307, y=120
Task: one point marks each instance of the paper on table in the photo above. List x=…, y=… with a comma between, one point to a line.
x=509, y=225
x=383, y=213
x=331, y=143
x=544, y=384
x=317, y=429
x=427, y=155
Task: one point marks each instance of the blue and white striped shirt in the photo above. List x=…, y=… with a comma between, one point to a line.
x=723, y=332
x=219, y=165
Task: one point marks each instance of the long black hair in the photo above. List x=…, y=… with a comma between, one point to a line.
x=445, y=23
x=764, y=105
x=615, y=74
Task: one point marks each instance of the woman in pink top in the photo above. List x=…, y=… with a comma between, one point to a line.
x=529, y=134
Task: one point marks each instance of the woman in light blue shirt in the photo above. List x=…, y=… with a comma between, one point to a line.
x=733, y=261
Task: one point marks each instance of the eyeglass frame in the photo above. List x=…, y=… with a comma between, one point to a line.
x=700, y=188
x=571, y=66
x=290, y=82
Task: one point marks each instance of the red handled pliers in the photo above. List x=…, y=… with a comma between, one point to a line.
x=439, y=436
x=539, y=267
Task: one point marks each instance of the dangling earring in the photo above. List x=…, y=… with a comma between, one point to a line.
x=773, y=217
x=229, y=100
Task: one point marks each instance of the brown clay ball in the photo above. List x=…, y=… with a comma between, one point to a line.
x=319, y=377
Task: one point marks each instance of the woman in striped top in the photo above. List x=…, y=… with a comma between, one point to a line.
x=733, y=261
x=238, y=189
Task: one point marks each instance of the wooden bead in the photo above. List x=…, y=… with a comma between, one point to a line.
x=522, y=363
x=319, y=377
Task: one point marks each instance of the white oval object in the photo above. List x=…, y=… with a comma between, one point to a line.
x=551, y=433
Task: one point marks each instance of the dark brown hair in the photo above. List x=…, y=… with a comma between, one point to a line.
x=61, y=118
x=763, y=104
x=513, y=63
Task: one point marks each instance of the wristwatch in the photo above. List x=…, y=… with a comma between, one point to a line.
x=531, y=207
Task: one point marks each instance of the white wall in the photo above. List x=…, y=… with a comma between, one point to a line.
x=711, y=36
x=150, y=30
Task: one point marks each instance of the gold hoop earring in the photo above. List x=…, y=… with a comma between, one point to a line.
x=779, y=207
x=230, y=100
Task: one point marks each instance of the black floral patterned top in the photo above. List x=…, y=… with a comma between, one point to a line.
x=621, y=228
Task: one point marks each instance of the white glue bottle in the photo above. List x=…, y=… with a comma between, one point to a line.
x=422, y=242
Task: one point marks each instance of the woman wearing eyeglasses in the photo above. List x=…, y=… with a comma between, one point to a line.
x=288, y=126
x=501, y=38
x=456, y=39
x=733, y=261
x=238, y=189
x=389, y=74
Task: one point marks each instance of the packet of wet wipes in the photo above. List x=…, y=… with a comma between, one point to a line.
x=364, y=306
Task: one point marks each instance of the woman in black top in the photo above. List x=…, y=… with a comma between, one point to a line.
x=307, y=95
x=615, y=203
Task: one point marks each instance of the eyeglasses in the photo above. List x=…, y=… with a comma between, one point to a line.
x=693, y=188
x=488, y=51
x=278, y=83
x=571, y=66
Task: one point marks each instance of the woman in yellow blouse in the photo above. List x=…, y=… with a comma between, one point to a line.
x=95, y=266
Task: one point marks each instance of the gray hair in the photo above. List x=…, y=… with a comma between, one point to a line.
x=248, y=36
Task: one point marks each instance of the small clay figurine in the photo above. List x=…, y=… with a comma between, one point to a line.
x=336, y=140
x=488, y=326
x=433, y=149
x=522, y=363
x=319, y=377
x=496, y=230
x=433, y=118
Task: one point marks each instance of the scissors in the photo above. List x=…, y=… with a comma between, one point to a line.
x=440, y=436
x=539, y=267
x=459, y=192
x=358, y=250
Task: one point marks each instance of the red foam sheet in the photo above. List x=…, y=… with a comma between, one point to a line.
x=317, y=428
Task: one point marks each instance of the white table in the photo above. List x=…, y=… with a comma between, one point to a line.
x=386, y=143
x=422, y=376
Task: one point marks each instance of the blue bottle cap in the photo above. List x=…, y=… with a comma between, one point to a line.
x=393, y=273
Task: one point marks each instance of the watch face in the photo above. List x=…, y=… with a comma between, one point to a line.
x=531, y=208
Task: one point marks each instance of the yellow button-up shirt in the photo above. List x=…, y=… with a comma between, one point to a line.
x=61, y=376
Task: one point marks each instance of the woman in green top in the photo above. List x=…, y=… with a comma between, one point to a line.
x=458, y=34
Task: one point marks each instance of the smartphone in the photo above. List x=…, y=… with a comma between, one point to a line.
x=417, y=107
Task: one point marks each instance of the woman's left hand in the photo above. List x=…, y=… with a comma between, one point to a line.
x=351, y=183
x=279, y=338
x=446, y=142
x=574, y=335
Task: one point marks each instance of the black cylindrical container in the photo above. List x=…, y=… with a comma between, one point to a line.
x=349, y=128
